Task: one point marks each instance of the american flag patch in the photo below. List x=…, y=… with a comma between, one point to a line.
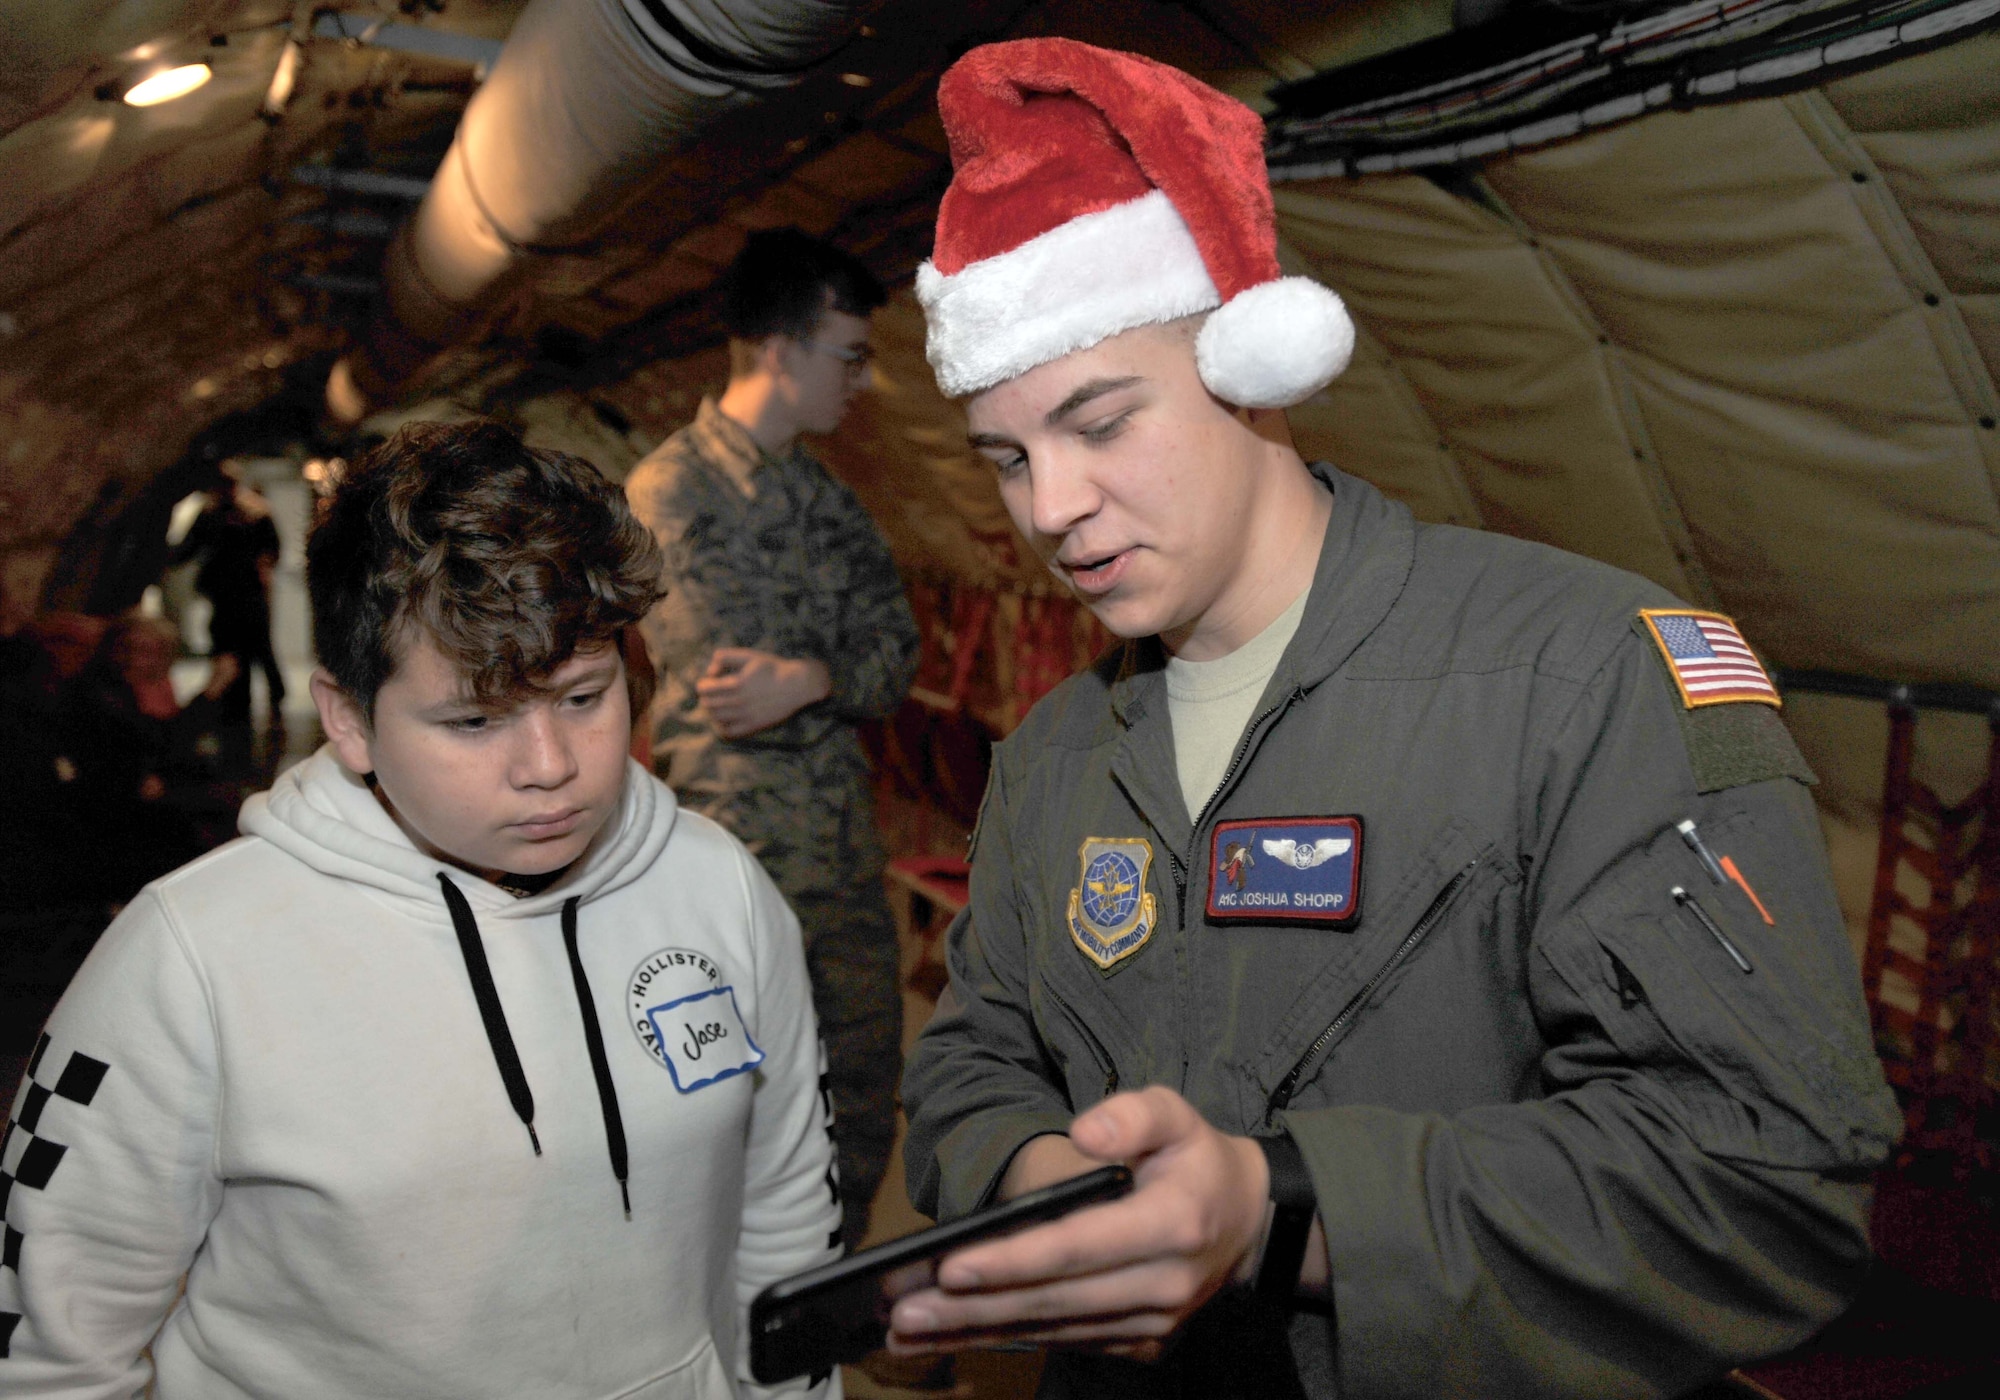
x=1710, y=661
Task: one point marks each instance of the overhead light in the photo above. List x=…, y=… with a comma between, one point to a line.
x=857, y=80
x=165, y=86
x=284, y=80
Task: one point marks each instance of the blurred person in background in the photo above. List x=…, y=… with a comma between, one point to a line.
x=41, y=762
x=237, y=542
x=52, y=904
x=784, y=624
x=119, y=723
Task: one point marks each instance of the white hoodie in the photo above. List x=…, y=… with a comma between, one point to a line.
x=272, y=1076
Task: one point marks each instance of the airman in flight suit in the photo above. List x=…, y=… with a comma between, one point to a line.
x=1471, y=981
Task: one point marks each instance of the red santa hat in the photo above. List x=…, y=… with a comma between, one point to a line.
x=1096, y=191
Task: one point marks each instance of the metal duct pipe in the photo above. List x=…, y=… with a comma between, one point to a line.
x=585, y=99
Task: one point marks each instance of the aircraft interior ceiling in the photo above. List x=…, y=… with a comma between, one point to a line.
x=1748, y=350
x=1707, y=290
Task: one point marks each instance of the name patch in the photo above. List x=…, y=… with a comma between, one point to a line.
x=1286, y=870
x=703, y=1039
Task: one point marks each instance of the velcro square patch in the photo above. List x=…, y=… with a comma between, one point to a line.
x=1286, y=870
x=1710, y=662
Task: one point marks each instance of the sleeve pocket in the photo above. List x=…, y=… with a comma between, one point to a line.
x=1774, y=1066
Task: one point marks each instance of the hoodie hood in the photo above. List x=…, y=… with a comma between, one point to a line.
x=325, y=816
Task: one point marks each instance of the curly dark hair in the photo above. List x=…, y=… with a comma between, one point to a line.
x=509, y=558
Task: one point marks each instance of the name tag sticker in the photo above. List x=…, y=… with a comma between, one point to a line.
x=703, y=1039
x=1286, y=870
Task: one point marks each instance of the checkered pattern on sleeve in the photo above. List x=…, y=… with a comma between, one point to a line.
x=29, y=1159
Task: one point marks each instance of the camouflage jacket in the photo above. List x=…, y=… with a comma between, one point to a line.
x=794, y=566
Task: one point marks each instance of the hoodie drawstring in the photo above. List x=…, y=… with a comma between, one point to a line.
x=502, y=1040
x=600, y=1064
x=490, y=1011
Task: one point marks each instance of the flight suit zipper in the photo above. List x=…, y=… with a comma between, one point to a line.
x=1097, y=1050
x=1183, y=863
x=1324, y=1042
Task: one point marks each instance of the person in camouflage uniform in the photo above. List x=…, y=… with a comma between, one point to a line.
x=783, y=625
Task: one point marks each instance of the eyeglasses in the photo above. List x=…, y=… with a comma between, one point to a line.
x=857, y=358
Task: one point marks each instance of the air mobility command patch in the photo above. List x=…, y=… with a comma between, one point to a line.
x=1710, y=662
x=1286, y=870
x=1111, y=912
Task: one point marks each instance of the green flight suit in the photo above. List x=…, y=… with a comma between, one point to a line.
x=792, y=566
x=1562, y=1144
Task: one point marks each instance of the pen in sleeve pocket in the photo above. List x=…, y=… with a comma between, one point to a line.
x=1701, y=851
x=1693, y=906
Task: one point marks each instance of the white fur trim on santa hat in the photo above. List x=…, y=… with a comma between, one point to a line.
x=1275, y=344
x=1134, y=264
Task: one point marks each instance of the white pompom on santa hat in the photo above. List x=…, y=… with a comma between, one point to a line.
x=1094, y=192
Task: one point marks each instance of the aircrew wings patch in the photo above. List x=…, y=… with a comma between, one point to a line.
x=1708, y=658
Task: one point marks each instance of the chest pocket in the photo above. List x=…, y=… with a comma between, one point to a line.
x=1771, y=1066
x=1089, y=1068
x=1447, y=907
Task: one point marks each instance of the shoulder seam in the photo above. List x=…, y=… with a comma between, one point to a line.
x=1597, y=676
x=1562, y=675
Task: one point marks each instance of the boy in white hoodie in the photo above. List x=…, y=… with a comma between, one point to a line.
x=476, y=1068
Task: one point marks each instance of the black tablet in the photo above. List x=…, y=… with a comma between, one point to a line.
x=838, y=1312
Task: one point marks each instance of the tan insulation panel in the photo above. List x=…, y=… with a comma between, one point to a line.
x=207, y=169
x=1370, y=422
x=1931, y=126
x=1828, y=469
x=1498, y=357
x=1318, y=37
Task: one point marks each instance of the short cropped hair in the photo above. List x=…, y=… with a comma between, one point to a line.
x=509, y=558
x=785, y=280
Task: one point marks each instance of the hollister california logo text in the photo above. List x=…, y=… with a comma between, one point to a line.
x=687, y=1018
x=661, y=977
x=1111, y=912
